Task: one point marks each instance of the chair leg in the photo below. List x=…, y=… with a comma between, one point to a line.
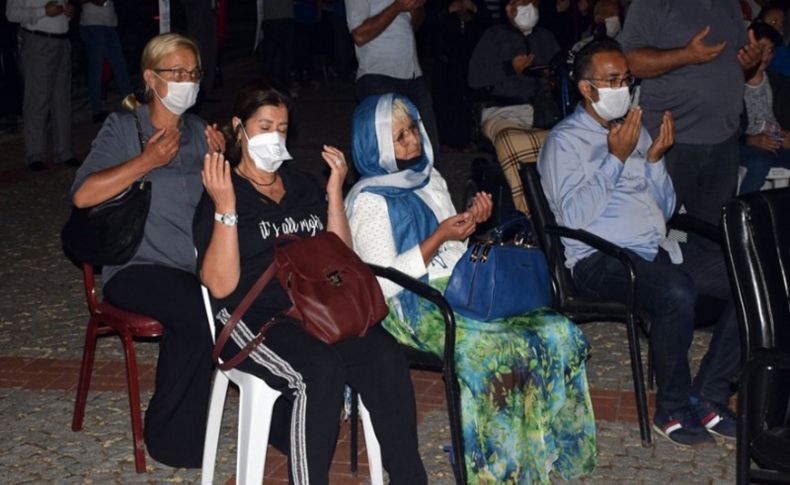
x=86, y=370
x=352, y=422
x=639, y=383
x=452, y=394
x=134, y=402
x=219, y=390
x=256, y=401
x=372, y=446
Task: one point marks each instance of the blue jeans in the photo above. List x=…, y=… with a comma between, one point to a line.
x=101, y=42
x=414, y=89
x=758, y=163
x=668, y=293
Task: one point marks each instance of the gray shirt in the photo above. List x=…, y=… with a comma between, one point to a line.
x=393, y=52
x=705, y=99
x=175, y=188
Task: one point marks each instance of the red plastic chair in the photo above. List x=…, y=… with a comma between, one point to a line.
x=106, y=319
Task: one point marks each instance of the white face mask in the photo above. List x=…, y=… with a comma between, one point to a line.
x=612, y=103
x=180, y=96
x=526, y=18
x=267, y=150
x=612, y=26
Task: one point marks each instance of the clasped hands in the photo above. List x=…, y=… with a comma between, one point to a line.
x=463, y=225
x=623, y=137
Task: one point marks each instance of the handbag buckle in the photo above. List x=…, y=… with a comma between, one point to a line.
x=335, y=279
x=484, y=255
x=475, y=251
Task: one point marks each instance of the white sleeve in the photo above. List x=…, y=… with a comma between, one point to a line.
x=19, y=12
x=373, y=241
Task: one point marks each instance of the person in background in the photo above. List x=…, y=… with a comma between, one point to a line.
x=566, y=19
x=10, y=75
x=160, y=280
x=765, y=143
x=386, y=48
x=202, y=27
x=500, y=68
x=97, y=29
x=46, y=65
x=244, y=208
x=693, y=58
x=525, y=404
x=459, y=24
x=277, y=48
x=607, y=22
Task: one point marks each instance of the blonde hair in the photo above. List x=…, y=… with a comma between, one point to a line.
x=155, y=50
x=400, y=110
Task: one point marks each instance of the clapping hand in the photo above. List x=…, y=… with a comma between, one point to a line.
x=623, y=137
x=699, y=52
x=457, y=227
x=481, y=207
x=162, y=147
x=216, y=179
x=750, y=54
x=665, y=139
x=522, y=61
x=214, y=139
x=338, y=167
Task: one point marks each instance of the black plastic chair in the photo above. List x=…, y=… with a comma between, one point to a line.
x=582, y=309
x=428, y=361
x=757, y=241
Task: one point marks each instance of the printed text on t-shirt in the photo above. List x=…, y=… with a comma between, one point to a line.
x=310, y=225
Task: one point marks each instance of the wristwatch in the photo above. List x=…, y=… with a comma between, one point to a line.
x=228, y=218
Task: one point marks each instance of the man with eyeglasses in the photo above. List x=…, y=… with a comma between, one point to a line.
x=693, y=57
x=602, y=172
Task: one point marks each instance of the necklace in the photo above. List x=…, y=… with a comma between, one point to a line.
x=269, y=184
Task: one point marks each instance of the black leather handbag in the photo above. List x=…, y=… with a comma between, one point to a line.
x=109, y=233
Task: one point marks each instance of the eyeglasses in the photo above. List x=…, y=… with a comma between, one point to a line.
x=180, y=74
x=400, y=139
x=613, y=83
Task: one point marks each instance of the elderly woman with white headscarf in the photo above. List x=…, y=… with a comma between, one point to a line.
x=525, y=404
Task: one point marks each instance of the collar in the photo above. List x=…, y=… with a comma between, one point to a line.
x=144, y=112
x=587, y=120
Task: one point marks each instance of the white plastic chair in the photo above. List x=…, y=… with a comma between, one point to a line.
x=256, y=400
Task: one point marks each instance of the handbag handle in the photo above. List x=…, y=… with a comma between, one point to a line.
x=224, y=335
x=141, y=138
x=495, y=235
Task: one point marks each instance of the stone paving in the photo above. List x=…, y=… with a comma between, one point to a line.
x=43, y=317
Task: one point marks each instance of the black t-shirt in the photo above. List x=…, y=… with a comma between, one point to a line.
x=302, y=211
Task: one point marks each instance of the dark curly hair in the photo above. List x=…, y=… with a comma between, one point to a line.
x=582, y=61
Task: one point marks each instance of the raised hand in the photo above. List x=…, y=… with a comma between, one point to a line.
x=214, y=139
x=699, y=52
x=216, y=179
x=162, y=146
x=664, y=140
x=750, y=54
x=623, y=137
x=457, y=227
x=481, y=207
x=765, y=142
x=338, y=167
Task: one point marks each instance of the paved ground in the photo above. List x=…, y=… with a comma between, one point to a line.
x=42, y=320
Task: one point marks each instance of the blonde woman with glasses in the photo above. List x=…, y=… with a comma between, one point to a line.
x=158, y=140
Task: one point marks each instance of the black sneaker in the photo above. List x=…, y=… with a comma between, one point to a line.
x=716, y=418
x=681, y=427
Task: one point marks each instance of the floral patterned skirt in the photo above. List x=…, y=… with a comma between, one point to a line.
x=525, y=404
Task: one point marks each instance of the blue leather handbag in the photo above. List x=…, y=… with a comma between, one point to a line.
x=495, y=279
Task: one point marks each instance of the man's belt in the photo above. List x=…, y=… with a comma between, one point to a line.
x=46, y=34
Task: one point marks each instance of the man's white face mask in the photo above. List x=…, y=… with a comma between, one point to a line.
x=526, y=18
x=612, y=103
x=612, y=26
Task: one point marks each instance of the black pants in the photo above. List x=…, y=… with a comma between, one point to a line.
x=175, y=421
x=311, y=375
x=277, y=50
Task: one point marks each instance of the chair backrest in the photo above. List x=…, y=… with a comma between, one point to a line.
x=551, y=244
x=89, y=280
x=757, y=242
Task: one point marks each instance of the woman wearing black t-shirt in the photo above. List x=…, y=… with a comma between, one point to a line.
x=243, y=210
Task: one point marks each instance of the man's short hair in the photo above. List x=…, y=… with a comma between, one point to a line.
x=761, y=30
x=582, y=61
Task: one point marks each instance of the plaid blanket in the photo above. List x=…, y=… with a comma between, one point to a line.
x=514, y=146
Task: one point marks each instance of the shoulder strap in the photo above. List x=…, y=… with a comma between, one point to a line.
x=142, y=138
x=227, y=329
